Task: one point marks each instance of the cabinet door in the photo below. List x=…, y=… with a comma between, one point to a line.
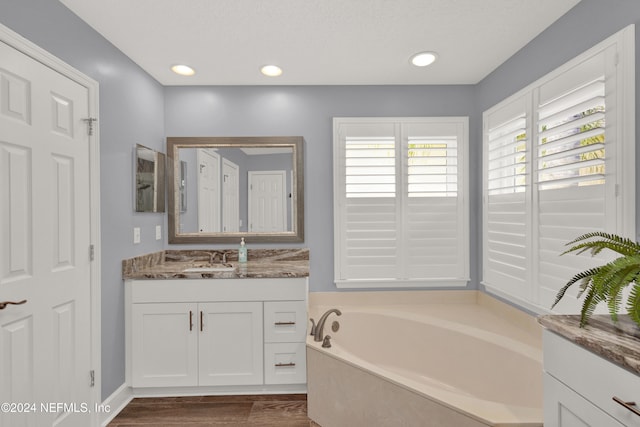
x=231, y=345
x=164, y=345
x=564, y=407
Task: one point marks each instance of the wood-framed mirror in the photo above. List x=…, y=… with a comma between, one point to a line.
x=251, y=187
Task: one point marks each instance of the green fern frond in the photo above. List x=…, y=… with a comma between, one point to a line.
x=584, y=275
x=621, y=245
x=633, y=304
x=589, y=305
x=606, y=282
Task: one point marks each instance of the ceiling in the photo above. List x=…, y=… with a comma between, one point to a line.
x=319, y=42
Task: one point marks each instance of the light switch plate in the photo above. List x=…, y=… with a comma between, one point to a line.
x=136, y=235
x=158, y=232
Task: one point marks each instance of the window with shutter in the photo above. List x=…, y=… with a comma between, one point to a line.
x=558, y=163
x=506, y=237
x=400, y=215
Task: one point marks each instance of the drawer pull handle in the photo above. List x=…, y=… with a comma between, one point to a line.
x=284, y=323
x=201, y=321
x=629, y=405
x=190, y=320
x=279, y=365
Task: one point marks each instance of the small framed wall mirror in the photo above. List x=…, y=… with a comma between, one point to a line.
x=149, y=189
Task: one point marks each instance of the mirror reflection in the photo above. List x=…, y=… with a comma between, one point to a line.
x=149, y=180
x=225, y=188
x=243, y=189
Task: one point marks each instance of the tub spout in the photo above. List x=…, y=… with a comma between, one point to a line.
x=319, y=335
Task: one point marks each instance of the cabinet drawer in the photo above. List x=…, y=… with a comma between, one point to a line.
x=593, y=377
x=285, y=363
x=285, y=321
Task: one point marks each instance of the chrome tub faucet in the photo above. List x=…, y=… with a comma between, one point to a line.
x=319, y=330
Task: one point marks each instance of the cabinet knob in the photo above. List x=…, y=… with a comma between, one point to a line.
x=629, y=405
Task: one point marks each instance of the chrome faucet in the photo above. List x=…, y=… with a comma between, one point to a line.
x=319, y=335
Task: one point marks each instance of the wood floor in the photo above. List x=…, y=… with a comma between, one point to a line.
x=199, y=411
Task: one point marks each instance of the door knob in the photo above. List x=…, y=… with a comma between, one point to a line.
x=4, y=304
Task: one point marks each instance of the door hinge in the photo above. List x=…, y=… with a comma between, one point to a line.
x=89, y=122
x=92, y=252
x=92, y=375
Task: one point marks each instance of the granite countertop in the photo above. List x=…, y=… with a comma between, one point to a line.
x=618, y=343
x=262, y=263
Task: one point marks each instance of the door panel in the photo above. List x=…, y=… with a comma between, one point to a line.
x=165, y=343
x=208, y=191
x=230, y=197
x=231, y=344
x=16, y=368
x=45, y=209
x=267, y=202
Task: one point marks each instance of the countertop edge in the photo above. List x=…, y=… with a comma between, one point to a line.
x=601, y=336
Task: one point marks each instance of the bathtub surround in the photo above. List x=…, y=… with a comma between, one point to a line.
x=402, y=358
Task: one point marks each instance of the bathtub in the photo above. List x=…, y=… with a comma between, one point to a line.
x=428, y=359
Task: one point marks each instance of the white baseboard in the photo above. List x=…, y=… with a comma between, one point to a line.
x=115, y=403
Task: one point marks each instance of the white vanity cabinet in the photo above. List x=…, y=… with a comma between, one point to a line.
x=216, y=335
x=580, y=386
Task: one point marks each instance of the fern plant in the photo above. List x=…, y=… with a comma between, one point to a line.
x=606, y=282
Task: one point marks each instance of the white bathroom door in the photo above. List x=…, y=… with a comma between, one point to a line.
x=267, y=201
x=208, y=190
x=230, y=196
x=45, y=228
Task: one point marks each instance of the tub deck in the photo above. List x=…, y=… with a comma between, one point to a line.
x=473, y=361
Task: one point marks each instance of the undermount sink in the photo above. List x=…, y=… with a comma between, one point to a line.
x=210, y=268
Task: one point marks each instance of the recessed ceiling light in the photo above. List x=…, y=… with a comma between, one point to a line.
x=183, y=70
x=271, y=70
x=423, y=59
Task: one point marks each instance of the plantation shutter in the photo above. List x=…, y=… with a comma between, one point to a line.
x=434, y=232
x=368, y=215
x=553, y=170
x=507, y=240
x=571, y=171
x=398, y=202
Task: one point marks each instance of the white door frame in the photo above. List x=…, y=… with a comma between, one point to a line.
x=30, y=49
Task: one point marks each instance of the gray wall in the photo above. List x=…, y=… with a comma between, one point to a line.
x=308, y=111
x=131, y=111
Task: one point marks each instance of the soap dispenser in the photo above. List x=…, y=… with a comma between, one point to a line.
x=242, y=251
